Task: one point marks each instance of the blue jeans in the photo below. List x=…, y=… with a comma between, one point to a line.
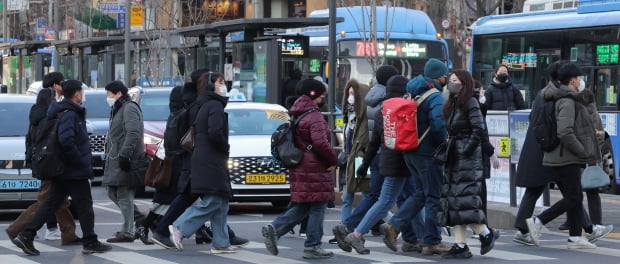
x=427, y=179
x=209, y=207
x=409, y=232
x=390, y=190
x=315, y=212
x=347, y=204
x=369, y=198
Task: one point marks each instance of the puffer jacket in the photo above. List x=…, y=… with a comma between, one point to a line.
x=575, y=130
x=462, y=185
x=503, y=96
x=310, y=180
x=374, y=101
x=429, y=114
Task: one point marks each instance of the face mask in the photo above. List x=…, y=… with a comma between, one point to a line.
x=503, y=77
x=110, y=101
x=582, y=85
x=83, y=97
x=454, y=88
x=351, y=99
x=222, y=90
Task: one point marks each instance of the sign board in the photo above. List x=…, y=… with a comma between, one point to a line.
x=445, y=24
x=49, y=32
x=293, y=46
x=17, y=5
x=120, y=20
x=136, y=16
x=228, y=72
x=497, y=125
x=519, y=121
x=112, y=8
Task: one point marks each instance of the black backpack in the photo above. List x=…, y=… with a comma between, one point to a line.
x=177, y=125
x=283, y=149
x=47, y=159
x=544, y=126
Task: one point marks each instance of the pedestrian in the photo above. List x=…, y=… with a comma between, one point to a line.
x=209, y=170
x=75, y=146
x=426, y=175
x=461, y=205
x=577, y=148
x=311, y=181
x=289, y=85
x=124, y=148
x=501, y=94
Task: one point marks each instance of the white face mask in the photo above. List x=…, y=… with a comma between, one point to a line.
x=110, y=101
x=582, y=85
x=83, y=97
x=222, y=90
x=351, y=99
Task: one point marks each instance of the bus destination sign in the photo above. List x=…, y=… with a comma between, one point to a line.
x=607, y=53
x=392, y=49
x=293, y=46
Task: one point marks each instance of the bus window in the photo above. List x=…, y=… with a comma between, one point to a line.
x=605, y=87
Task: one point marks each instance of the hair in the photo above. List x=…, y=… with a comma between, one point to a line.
x=568, y=71
x=552, y=70
x=467, y=92
x=116, y=86
x=70, y=87
x=52, y=78
x=207, y=81
x=44, y=97
x=352, y=83
x=501, y=66
x=195, y=76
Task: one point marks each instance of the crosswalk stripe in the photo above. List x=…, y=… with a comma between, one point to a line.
x=599, y=250
x=40, y=246
x=15, y=259
x=382, y=257
x=507, y=255
x=251, y=257
x=131, y=258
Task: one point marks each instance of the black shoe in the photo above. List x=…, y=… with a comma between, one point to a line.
x=203, y=235
x=96, y=247
x=120, y=237
x=457, y=252
x=340, y=233
x=26, y=245
x=487, y=242
x=162, y=241
x=238, y=241
x=563, y=226
x=142, y=233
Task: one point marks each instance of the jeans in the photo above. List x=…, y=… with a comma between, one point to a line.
x=347, y=204
x=209, y=207
x=427, y=179
x=410, y=232
x=81, y=198
x=526, y=207
x=315, y=211
x=569, y=184
x=390, y=190
x=123, y=196
x=369, y=198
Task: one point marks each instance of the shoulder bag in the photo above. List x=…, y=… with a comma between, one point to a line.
x=187, y=141
x=593, y=177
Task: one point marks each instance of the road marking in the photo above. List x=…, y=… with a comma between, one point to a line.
x=131, y=258
x=98, y=206
x=40, y=246
x=380, y=257
x=15, y=259
x=599, y=250
x=508, y=255
x=251, y=257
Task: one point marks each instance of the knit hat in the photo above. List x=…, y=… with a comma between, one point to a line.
x=396, y=86
x=435, y=68
x=312, y=88
x=385, y=72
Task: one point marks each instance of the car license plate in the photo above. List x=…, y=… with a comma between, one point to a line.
x=265, y=178
x=20, y=184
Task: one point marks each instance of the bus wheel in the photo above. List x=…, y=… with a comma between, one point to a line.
x=608, y=165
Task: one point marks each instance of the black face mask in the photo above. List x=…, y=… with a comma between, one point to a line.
x=503, y=77
x=323, y=102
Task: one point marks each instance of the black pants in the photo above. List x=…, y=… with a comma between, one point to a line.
x=594, y=206
x=81, y=198
x=527, y=205
x=570, y=185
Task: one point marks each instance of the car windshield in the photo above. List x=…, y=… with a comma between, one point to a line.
x=155, y=106
x=96, y=106
x=14, y=119
x=254, y=121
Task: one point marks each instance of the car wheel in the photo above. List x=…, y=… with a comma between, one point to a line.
x=607, y=159
x=281, y=203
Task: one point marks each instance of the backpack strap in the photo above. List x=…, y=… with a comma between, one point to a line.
x=419, y=99
x=296, y=121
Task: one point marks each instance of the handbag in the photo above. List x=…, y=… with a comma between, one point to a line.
x=158, y=173
x=342, y=159
x=440, y=155
x=187, y=141
x=593, y=177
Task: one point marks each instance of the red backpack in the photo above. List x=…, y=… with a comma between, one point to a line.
x=400, y=127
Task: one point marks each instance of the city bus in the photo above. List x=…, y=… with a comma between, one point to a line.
x=406, y=38
x=587, y=35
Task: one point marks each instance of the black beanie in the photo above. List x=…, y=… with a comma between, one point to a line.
x=312, y=88
x=396, y=86
x=385, y=72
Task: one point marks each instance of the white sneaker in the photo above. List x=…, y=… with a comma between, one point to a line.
x=535, y=230
x=580, y=243
x=523, y=239
x=599, y=231
x=52, y=234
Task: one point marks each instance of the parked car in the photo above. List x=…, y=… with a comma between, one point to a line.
x=253, y=175
x=17, y=187
x=97, y=124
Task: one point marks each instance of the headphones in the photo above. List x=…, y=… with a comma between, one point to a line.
x=210, y=85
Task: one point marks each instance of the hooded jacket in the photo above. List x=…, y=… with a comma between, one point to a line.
x=429, y=114
x=73, y=139
x=359, y=142
x=503, y=96
x=310, y=180
x=578, y=144
x=374, y=99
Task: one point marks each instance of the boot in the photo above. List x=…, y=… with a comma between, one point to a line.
x=203, y=236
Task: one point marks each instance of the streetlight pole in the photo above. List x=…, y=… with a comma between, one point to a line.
x=331, y=58
x=5, y=21
x=127, y=74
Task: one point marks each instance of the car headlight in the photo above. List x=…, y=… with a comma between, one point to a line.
x=151, y=140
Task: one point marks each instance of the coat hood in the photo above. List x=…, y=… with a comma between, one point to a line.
x=190, y=93
x=421, y=84
x=551, y=93
x=63, y=105
x=375, y=96
x=303, y=104
x=37, y=113
x=176, y=99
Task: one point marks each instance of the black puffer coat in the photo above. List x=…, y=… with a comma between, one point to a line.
x=460, y=195
x=503, y=96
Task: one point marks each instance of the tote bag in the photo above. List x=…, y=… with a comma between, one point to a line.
x=594, y=177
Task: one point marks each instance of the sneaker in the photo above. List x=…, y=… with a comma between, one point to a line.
x=599, y=231
x=390, y=236
x=488, y=242
x=412, y=247
x=52, y=234
x=271, y=238
x=580, y=243
x=96, y=247
x=238, y=241
x=9, y=235
x=302, y=235
x=357, y=243
x=162, y=241
x=457, y=252
x=535, y=230
x=340, y=233
x=223, y=250
x=176, y=236
x=523, y=239
x=26, y=245
x=317, y=252
x=120, y=237
x=435, y=249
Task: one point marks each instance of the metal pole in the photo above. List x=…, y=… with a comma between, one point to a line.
x=331, y=58
x=127, y=74
x=5, y=21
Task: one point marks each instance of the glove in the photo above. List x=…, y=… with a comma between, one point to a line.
x=362, y=171
x=494, y=162
x=124, y=163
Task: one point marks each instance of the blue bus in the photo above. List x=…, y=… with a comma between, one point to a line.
x=588, y=35
x=405, y=38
